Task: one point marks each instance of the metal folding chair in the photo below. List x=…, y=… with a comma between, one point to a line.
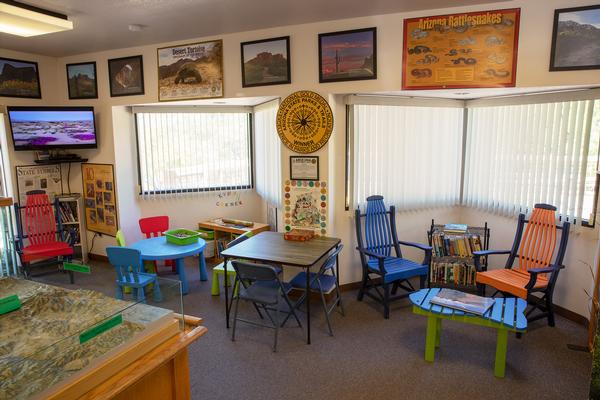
x=260, y=284
x=323, y=282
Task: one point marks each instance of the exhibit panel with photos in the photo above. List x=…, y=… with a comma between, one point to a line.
x=100, y=200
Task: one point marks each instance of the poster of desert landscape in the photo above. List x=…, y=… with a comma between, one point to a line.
x=576, y=39
x=190, y=71
x=19, y=79
x=82, y=81
x=266, y=62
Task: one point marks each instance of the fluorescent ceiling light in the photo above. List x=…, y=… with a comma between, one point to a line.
x=25, y=20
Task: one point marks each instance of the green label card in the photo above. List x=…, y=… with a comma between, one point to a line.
x=10, y=303
x=77, y=267
x=100, y=328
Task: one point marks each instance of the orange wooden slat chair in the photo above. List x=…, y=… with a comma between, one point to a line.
x=535, y=272
x=44, y=235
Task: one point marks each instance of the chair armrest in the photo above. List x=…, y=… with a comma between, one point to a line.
x=534, y=272
x=484, y=253
x=380, y=258
x=370, y=253
x=427, y=249
x=419, y=246
x=481, y=253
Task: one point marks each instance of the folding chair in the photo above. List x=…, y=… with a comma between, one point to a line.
x=323, y=282
x=260, y=284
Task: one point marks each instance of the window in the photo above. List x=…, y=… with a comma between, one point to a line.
x=268, y=153
x=193, y=152
x=519, y=155
x=410, y=155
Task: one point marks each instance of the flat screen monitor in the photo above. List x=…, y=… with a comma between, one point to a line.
x=52, y=128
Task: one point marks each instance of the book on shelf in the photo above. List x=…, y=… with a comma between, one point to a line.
x=455, y=228
x=463, y=301
x=457, y=273
x=445, y=245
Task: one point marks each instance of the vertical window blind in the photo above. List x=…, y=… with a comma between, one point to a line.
x=410, y=155
x=193, y=152
x=267, y=148
x=519, y=155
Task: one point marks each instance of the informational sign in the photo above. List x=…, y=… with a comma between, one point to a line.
x=35, y=178
x=304, y=121
x=10, y=303
x=100, y=328
x=305, y=206
x=100, y=200
x=467, y=50
x=77, y=268
x=304, y=168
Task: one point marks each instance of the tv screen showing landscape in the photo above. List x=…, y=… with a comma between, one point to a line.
x=43, y=128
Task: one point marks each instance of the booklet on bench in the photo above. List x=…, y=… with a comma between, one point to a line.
x=463, y=301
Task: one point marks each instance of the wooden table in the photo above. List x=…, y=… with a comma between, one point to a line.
x=157, y=248
x=223, y=230
x=155, y=369
x=271, y=247
x=506, y=315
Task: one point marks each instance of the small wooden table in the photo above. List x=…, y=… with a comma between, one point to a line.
x=271, y=247
x=223, y=230
x=506, y=315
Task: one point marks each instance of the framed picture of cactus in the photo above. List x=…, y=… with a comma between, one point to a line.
x=348, y=55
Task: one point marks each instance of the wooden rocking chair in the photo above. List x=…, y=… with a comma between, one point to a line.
x=535, y=273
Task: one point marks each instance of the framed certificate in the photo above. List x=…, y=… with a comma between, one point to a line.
x=304, y=168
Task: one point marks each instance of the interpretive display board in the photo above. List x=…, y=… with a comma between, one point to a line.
x=305, y=206
x=46, y=178
x=466, y=50
x=100, y=199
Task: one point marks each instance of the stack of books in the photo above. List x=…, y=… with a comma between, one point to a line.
x=463, y=301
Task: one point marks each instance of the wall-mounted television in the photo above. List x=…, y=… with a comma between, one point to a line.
x=52, y=128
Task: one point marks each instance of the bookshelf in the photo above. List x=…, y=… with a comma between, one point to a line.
x=452, y=255
x=70, y=208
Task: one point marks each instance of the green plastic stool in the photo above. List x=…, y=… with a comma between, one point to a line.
x=220, y=270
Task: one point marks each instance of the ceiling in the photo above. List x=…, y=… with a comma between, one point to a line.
x=103, y=24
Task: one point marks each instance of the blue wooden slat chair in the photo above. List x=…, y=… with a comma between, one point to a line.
x=376, y=255
x=323, y=282
x=129, y=266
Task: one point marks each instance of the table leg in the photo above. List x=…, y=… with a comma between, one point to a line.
x=431, y=338
x=501, y=344
x=182, y=277
x=202, y=266
x=438, y=331
x=308, y=305
x=226, y=291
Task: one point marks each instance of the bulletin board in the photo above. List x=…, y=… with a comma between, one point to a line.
x=305, y=206
x=100, y=199
x=466, y=50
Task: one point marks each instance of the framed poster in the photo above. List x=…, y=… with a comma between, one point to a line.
x=348, y=55
x=126, y=76
x=305, y=206
x=304, y=121
x=100, y=200
x=19, y=79
x=576, y=39
x=466, y=50
x=190, y=71
x=34, y=178
x=304, y=168
x=266, y=62
x=82, y=81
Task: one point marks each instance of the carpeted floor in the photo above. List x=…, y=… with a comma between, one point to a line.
x=369, y=357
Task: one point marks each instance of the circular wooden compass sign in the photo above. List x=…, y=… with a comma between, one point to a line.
x=304, y=121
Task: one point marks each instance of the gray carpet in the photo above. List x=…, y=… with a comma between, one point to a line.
x=368, y=357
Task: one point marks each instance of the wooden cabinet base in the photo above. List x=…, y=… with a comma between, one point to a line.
x=161, y=372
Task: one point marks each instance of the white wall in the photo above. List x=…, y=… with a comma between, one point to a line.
x=116, y=141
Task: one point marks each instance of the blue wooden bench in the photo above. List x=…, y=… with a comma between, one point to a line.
x=506, y=315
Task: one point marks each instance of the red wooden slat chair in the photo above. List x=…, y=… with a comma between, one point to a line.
x=36, y=222
x=535, y=273
x=154, y=227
